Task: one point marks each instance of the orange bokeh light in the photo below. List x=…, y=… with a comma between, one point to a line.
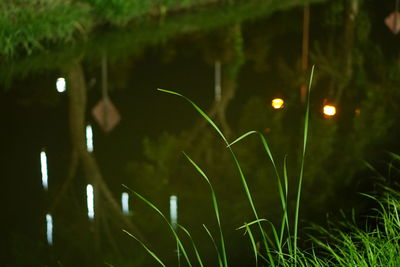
x=329, y=110
x=277, y=103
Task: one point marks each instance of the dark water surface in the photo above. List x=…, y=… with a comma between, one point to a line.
x=357, y=71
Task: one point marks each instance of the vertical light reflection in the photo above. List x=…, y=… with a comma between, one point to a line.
x=90, y=201
x=43, y=167
x=49, y=229
x=61, y=85
x=89, y=138
x=173, y=209
x=217, y=82
x=125, y=203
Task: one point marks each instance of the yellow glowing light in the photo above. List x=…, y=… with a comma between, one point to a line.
x=277, y=103
x=329, y=110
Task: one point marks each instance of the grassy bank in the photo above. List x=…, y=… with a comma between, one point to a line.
x=373, y=243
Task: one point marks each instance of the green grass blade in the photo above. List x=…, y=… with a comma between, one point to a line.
x=193, y=243
x=166, y=220
x=251, y=223
x=296, y=220
x=239, y=168
x=215, y=245
x=215, y=205
x=286, y=215
x=277, y=242
x=253, y=243
x=394, y=156
x=210, y=121
x=242, y=137
x=250, y=199
x=246, y=226
x=178, y=254
x=146, y=248
x=282, y=194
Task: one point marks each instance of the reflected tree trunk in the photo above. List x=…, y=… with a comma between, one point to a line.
x=305, y=50
x=232, y=61
x=231, y=56
x=105, y=203
x=77, y=108
x=351, y=12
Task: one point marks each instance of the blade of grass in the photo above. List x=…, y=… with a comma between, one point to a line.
x=297, y=210
x=210, y=121
x=215, y=205
x=146, y=248
x=194, y=245
x=178, y=254
x=251, y=223
x=166, y=220
x=250, y=199
x=239, y=168
x=215, y=245
x=282, y=195
x=253, y=243
x=242, y=137
x=248, y=230
x=286, y=215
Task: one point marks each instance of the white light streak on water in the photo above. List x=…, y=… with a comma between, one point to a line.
x=89, y=138
x=60, y=85
x=217, y=81
x=90, y=201
x=43, y=164
x=173, y=209
x=125, y=203
x=49, y=229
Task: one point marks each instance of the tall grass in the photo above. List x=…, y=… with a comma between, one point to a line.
x=281, y=249
x=352, y=246
x=378, y=244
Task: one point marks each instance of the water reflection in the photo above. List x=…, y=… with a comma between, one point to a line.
x=61, y=85
x=49, y=229
x=89, y=138
x=173, y=210
x=217, y=85
x=277, y=103
x=329, y=111
x=90, y=201
x=125, y=203
x=43, y=168
x=232, y=72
